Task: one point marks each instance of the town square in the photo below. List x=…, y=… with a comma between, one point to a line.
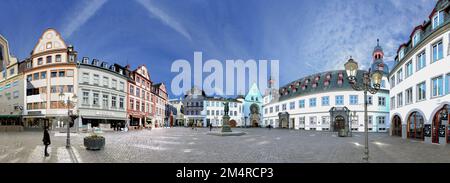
x=154, y=82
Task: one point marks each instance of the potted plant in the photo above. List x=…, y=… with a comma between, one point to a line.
x=94, y=142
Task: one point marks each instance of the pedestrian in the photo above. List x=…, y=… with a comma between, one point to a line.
x=46, y=141
x=210, y=126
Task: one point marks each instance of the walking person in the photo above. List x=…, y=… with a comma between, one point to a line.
x=210, y=126
x=46, y=141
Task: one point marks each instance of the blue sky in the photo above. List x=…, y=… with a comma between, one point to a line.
x=307, y=36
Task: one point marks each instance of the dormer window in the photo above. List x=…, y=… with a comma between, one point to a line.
x=416, y=38
x=401, y=54
x=438, y=19
x=85, y=60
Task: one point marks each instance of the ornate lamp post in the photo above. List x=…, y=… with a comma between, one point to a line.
x=68, y=102
x=370, y=83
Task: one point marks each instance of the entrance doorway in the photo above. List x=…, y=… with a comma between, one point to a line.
x=339, y=123
x=397, y=126
x=233, y=123
x=415, y=126
x=255, y=123
x=284, y=123
x=440, y=119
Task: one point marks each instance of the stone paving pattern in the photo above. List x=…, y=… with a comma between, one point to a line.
x=184, y=145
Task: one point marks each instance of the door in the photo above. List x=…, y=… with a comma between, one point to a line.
x=397, y=127
x=339, y=123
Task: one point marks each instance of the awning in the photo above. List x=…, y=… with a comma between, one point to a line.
x=103, y=118
x=10, y=116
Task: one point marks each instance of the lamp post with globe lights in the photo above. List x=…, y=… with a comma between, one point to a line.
x=371, y=81
x=69, y=101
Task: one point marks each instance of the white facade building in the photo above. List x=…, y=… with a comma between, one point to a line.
x=102, y=95
x=306, y=103
x=214, y=110
x=420, y=81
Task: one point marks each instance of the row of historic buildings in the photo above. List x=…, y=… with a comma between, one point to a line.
x=53, y=84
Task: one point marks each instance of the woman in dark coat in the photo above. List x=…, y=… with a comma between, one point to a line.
x=46, y=140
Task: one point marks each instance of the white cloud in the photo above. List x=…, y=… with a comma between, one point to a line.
x=348, y=29
x=81, y=14
x=164, y=17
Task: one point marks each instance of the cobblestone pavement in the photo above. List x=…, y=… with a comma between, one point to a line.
x=184, y=145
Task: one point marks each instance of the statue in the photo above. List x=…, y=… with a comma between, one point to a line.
x=226, y=105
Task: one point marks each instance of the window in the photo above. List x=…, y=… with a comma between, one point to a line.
x=340, y=100
x=121, y=86
x=408, y=69
x=369, y=100
x=301, y=103
x=447, y=84
x=105, y=81
x=96, y=79
x=29, y=78
x=392, y=103
x=313, y=120
x=1, y=53
x=283, y=107
x=58, y=58
x=301, y=120
x=325, y=120
x=69, y=73
x=277, y=108
x=421, y=61
x=437, y=51
x=369, y=119
x=16, y=94
x=105, y=101
x=401, y=54
x=54, y=74
x=399, y=76
x=437, y=87
x=114, y=84
x=11, y=71
x=438, y=19
x=421, y=91
x=62, y=73
x=40, y=61
x=381, y=120
x=85, y=77
x=400, y=99
x=49, y=59
x=138, y=92
x=69, y=88
x=85, y=98
x=36, y=76
x=53, y=89
x=113, y=101
x=121, y=102
x=292, y=105
x=271, y=109
x=353, y=99
x=408, y=95
x=326, y=101
x=131, y=90
x=416, y=38
x=381, y=101
x=44, y=75
x=383, y=84
x=312, y=102
x=95, y=99
x=392, y=82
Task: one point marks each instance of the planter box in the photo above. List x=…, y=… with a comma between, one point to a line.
x=94, y=143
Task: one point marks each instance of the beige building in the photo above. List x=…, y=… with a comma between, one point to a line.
x=11, y=89
x=49, y=71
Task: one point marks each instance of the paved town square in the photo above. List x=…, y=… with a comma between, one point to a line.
x=184, y=145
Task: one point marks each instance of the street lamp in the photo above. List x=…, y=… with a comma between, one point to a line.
x=68, y=102
x=245, y=122
x=370, y=83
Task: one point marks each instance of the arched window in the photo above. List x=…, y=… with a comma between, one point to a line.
x=415, y=126
x=1, y=53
